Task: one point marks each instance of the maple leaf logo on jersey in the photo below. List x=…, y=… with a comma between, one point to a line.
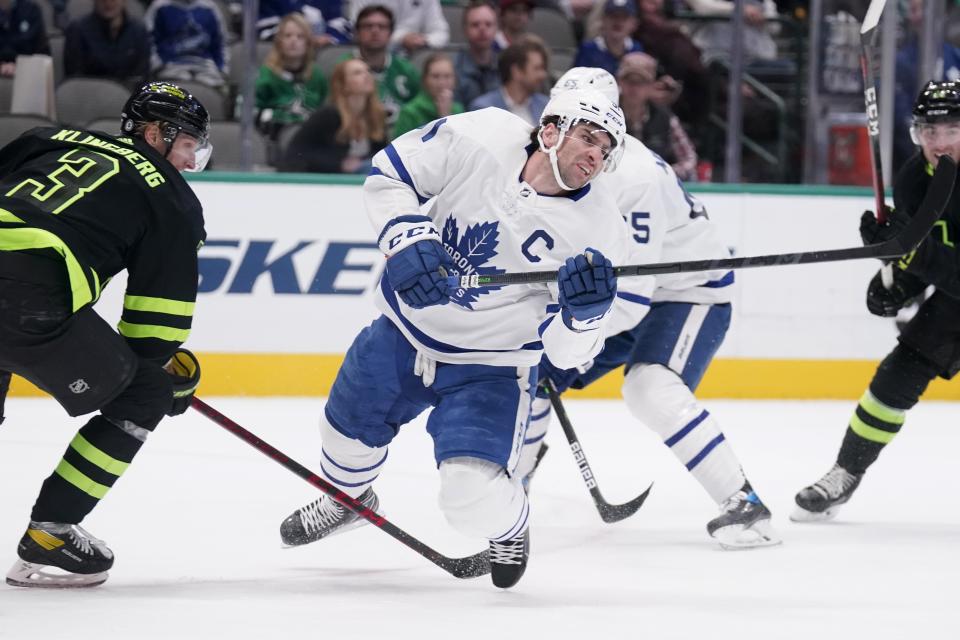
x=477, y=246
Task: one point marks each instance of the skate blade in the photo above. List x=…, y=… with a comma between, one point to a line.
x=736, y=538
x=802, y=515
x=37, y=576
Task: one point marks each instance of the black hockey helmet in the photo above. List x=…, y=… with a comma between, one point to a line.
x=175, y=109
x=938, y=102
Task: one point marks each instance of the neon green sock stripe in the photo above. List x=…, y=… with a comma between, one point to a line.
x=158, y=305
x=881, y=411
x=105, y=461
x=867, y=432
x=130, y=330
x=72, y=475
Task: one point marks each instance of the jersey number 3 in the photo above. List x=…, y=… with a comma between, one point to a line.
x=80, y=171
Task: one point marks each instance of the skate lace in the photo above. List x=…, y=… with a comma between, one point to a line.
x=835, y=482
x=733, y=502
x=507, y=552
x=83, y=540
x=320, y=514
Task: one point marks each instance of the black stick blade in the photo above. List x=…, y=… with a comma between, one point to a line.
x=473, y=566
x=931, y=208
x=610, y=513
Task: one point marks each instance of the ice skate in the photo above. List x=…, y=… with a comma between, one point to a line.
x=59, y=556
x=744, y=522
x=508, y=560
x=822, y=500
x=323, y=517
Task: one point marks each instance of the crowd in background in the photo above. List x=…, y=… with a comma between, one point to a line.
x=398, y=69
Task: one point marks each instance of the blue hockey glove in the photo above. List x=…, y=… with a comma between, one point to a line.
x=885, y=302
x=415, y=256
x=184, y=371
x=587, y=288
x=872, y=232
x=562, y=379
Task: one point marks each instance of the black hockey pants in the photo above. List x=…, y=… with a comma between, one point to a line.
x=83, y=363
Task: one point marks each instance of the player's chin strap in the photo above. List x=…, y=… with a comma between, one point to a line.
x=552, y=154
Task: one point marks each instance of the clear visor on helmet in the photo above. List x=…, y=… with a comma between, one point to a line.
x=598, y=137
x=186, y=144
x=202, y=150
x=201, y=156
x=927, y=133
x=593, y=137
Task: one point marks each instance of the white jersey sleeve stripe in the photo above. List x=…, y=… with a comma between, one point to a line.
x=402, y=172
x=725, y=281
x=427, y=137
x=632, y=297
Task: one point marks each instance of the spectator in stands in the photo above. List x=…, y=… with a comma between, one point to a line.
x=907, y=83
x=22, y=32
x=523, y=69
x=714, y=38
x=642, y=99
x=189, y=41
x=290, y=86
x=397, y=79
x=476, y=66
x=614, y=41
x=418, y=23
x=435, y=99
x=107, y=43
x=666, y=41
x=515, y=18
x=325, y=17
x=343, y=135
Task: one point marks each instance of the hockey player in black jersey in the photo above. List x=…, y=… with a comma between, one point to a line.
x=76, y=208
x=929, y=344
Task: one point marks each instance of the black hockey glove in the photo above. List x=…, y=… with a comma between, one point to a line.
x=4, y=387
x=885, y=302
x=872, y=232
x=184, y=371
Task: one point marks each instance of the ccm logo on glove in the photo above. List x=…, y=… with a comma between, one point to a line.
x=403, y=231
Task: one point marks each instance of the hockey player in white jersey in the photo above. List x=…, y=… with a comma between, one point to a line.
x=504, y=197
x=666, y=354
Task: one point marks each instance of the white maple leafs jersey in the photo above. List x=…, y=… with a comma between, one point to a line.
x=666, y=224
x=490, y=221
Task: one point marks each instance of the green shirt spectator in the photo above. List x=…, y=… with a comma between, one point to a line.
x=397, y=79
x=286, y=98
x=435, y=99
x=289, y=86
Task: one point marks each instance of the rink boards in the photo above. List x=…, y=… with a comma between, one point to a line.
x=288, y=270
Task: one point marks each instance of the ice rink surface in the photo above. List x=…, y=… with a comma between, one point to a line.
x=194, y=523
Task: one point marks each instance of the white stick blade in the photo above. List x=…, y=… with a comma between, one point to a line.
x=873, y=15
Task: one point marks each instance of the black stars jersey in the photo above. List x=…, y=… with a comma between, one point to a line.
x=937, y=260
x=103, y=204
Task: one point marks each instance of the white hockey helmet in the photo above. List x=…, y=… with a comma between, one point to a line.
x=588, y=78
x=583, y=105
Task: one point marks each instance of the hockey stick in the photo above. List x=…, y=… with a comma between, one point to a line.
x=469, y=567
x=608, y=512
x=938, y=194
x=868, y=42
